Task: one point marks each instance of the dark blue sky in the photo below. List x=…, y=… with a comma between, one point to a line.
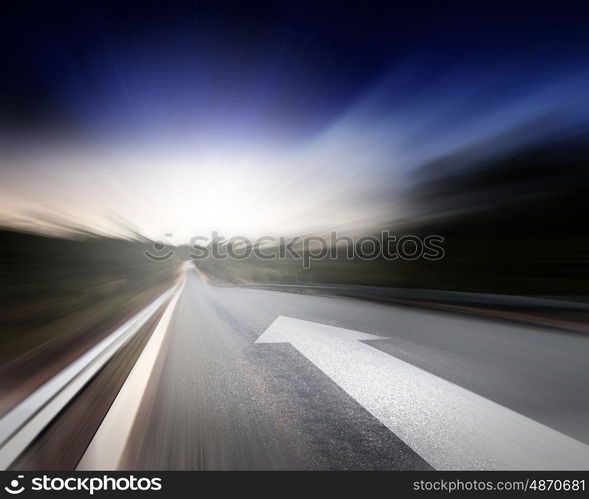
x=283, y=116
x=289, y=68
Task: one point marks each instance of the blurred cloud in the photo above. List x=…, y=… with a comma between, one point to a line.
x=346, y=176
x=204, y=123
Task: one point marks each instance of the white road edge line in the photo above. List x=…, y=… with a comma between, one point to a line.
x=20, y=426
x=110, y=440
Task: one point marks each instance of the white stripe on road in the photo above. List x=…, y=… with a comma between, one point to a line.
x=23, y=424
x=448, y=426
x=107, y=448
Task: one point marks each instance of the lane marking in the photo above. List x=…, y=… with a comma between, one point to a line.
x=106, y=449
x=27, y=420
x=450, y=427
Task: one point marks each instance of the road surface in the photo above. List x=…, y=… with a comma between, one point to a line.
x=223, y=401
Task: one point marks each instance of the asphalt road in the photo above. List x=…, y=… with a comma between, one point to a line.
x=223, y=401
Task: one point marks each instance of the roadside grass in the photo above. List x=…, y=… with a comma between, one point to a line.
x=56, y=288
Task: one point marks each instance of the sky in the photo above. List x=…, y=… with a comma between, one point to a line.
x=264, y=118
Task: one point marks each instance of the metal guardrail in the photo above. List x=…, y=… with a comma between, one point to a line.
x=22, y=425
x=440, y=296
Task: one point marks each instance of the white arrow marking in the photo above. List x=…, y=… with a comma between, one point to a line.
x=448, y=426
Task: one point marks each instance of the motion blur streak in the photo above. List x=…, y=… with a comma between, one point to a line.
x=162, y=122
x=61, y=296
x=127, y=130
